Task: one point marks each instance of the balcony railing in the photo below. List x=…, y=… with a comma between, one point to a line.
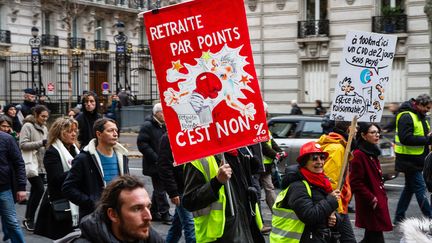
x=5, y=36
x=77, y=43
x=50, y=40
x=389, y=24
x=101, y=45
x=313, y=28
x=134, y=4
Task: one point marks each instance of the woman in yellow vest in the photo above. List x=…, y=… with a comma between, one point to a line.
x=305, y=210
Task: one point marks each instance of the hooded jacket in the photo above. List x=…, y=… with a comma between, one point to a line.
x=84, y=183
x=405, y=128
x=313, y=211
x=86, y=120
x=31, y=140
x=334, y=144
x=95, y=229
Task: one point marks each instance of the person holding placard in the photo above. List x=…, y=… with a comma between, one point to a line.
x=334, y=144
x=218, y=219
x=305, y=209
x=412, y=139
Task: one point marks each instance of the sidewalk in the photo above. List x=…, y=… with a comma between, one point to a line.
x=128, y=140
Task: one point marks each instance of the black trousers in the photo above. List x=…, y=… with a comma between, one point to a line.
x=36, y=192
x=373, y=237
x=160, y=203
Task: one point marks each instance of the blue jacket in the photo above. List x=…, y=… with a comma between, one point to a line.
x=12, y=169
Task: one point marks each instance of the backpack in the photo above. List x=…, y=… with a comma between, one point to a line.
x=427, y=171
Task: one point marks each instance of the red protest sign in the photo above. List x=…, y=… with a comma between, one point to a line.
x=207, y=81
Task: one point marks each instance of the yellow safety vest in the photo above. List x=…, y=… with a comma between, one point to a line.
x=210, y=221
x=286, y=227
x=418, y=131
x=267, y=160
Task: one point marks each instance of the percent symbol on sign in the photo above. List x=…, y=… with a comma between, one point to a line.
x=259, y=128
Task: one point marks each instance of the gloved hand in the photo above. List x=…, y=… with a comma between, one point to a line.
x=281, y=155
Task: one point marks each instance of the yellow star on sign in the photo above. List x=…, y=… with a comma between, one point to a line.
x=206, y=55
x=177, y=65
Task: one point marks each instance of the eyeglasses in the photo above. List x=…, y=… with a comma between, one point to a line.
x=5, y=126
x=320, y=156
x=374, y=132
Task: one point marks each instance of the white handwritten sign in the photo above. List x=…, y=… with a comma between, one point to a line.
x=364, y=75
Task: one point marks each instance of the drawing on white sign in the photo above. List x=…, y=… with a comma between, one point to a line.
x=363, y=77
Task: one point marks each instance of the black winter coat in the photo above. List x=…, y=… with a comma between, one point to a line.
x=85, y=125
x=12, y=168
x=47, y=225
x=84, y=184
x=171, y=177
x=313, y=211
x=199, y=194
x=405, y=127
x=148, y=142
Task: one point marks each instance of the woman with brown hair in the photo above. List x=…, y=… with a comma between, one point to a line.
x=62, y=148
x=33, y=139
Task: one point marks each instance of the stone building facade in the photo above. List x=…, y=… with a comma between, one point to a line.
x=297, y=44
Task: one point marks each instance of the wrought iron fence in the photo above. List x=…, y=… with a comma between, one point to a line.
x=95, y=72
x=390, y=24
x=5, y=36
x=310, y=28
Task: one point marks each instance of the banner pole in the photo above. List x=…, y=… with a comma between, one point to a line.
x=228, y=190
x=352, y=132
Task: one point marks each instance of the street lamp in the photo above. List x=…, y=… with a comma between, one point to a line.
x=35, y=43
x=121, y=55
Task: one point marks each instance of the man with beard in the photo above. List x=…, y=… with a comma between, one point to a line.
x=123, y=215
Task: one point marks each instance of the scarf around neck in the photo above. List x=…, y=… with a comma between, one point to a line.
x=66, y=161
x=317, y=179
x=369, y=148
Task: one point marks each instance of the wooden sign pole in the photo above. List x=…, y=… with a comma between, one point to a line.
x=352, y=133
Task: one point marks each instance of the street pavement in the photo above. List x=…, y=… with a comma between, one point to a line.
x=393, y=188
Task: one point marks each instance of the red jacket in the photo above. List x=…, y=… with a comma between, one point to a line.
x=366, y=183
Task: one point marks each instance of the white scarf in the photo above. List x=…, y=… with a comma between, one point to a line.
x=66, y=160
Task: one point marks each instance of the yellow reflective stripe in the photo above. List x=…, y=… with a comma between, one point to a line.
x=286, y=234
x=206, y=211
x=284, y=214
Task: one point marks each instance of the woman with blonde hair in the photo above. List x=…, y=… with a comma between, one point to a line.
x=62, y=148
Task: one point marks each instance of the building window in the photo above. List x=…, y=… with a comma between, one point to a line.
x=392, y=3
x=396, y=88
x=47, y=23
x=316, y=81
x=142, y=36
x=316, y=9
x=99, y=30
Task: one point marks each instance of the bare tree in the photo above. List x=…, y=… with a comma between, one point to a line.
x=68, y=10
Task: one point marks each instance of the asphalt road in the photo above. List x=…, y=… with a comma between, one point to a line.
x=393, y=187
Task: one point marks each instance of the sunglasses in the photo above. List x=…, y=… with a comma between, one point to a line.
x=316, y=156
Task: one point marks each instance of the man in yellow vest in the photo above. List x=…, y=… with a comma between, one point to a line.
x=412, y=140
x=205, y=195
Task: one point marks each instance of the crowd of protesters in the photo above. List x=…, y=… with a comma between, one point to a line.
x=81, y=190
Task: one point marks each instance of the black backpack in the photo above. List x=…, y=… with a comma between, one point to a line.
x=427, y=171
